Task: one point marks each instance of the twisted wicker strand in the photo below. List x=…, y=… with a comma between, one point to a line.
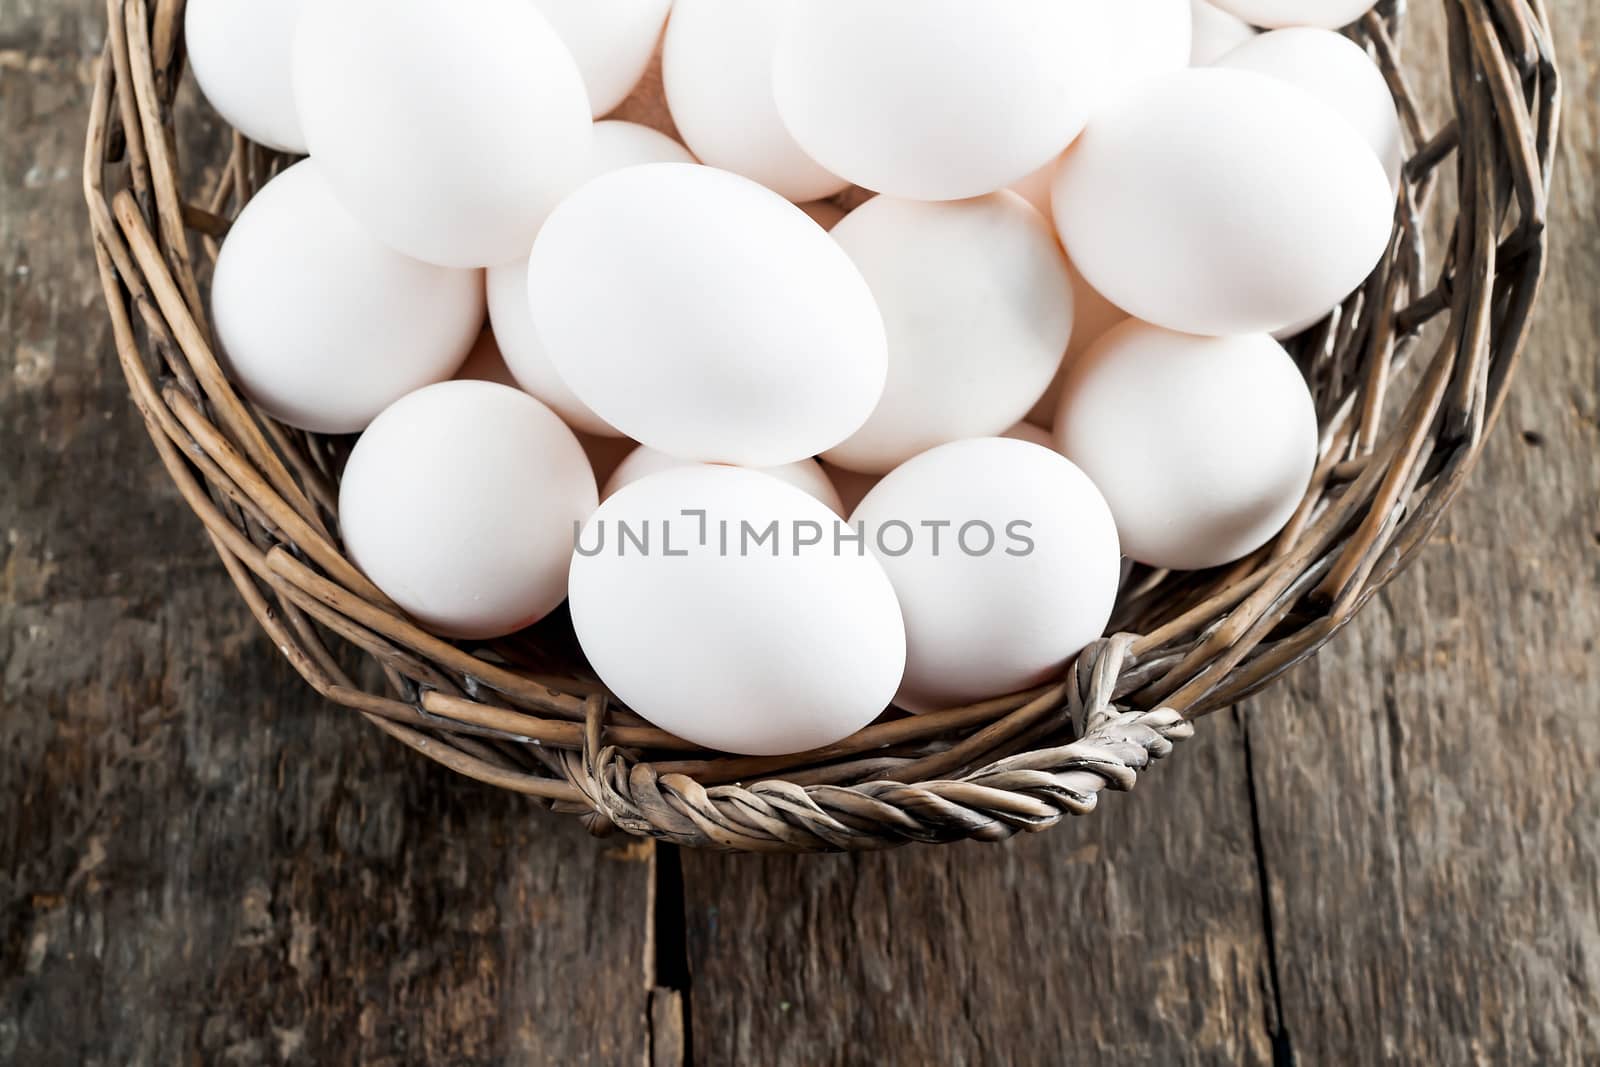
x=1027, y=792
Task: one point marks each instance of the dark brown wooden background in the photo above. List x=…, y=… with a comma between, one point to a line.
x=1393, y=855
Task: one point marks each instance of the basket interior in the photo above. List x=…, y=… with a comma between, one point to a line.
x=1408, y=375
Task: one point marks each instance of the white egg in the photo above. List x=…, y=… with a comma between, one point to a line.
x=640, y=462
x=1216, y=33
x=452, y=170
x=1005, y=560
x=1145, y=38
x=1337, y=71
x=716, y=64
x=1222, y=202
x=1035, y=186
x=616, y=145
x=611, y=41
x=525, y=357
x=1276, y=14
x=1092, y=315
x=978, y=307
x=323, y=326
x=706, y=316
x=1148, y=38
x=941, y=99
x=619, y=144
x=485, y=363
x=239, y=51
x=461, y=502
x=1202, y=446
x=806, y=475
x=736, y=643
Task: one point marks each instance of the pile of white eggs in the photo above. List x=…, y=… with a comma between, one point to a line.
x=895, y=456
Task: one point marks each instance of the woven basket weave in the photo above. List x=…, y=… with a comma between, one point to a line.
x=1409, y=375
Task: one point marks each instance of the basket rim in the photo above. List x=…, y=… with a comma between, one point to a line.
x=1182, y=646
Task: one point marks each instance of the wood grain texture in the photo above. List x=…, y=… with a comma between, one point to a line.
x=191, y=877
x=1391, y=856
x=1428, y=831
x=1430, y=825
x=973, y=954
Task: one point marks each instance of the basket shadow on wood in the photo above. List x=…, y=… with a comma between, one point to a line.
x=525, y=714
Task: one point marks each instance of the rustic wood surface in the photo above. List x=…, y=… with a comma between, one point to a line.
x=1392, y=855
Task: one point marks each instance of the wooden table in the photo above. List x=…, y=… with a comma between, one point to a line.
x=1394, y=854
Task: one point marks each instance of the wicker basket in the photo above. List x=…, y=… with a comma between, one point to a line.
x=525, y=714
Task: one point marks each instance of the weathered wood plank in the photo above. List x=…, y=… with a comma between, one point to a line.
x=1430, y=839
x=1430, y=825
x=200, y=862
x=1133, y=935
